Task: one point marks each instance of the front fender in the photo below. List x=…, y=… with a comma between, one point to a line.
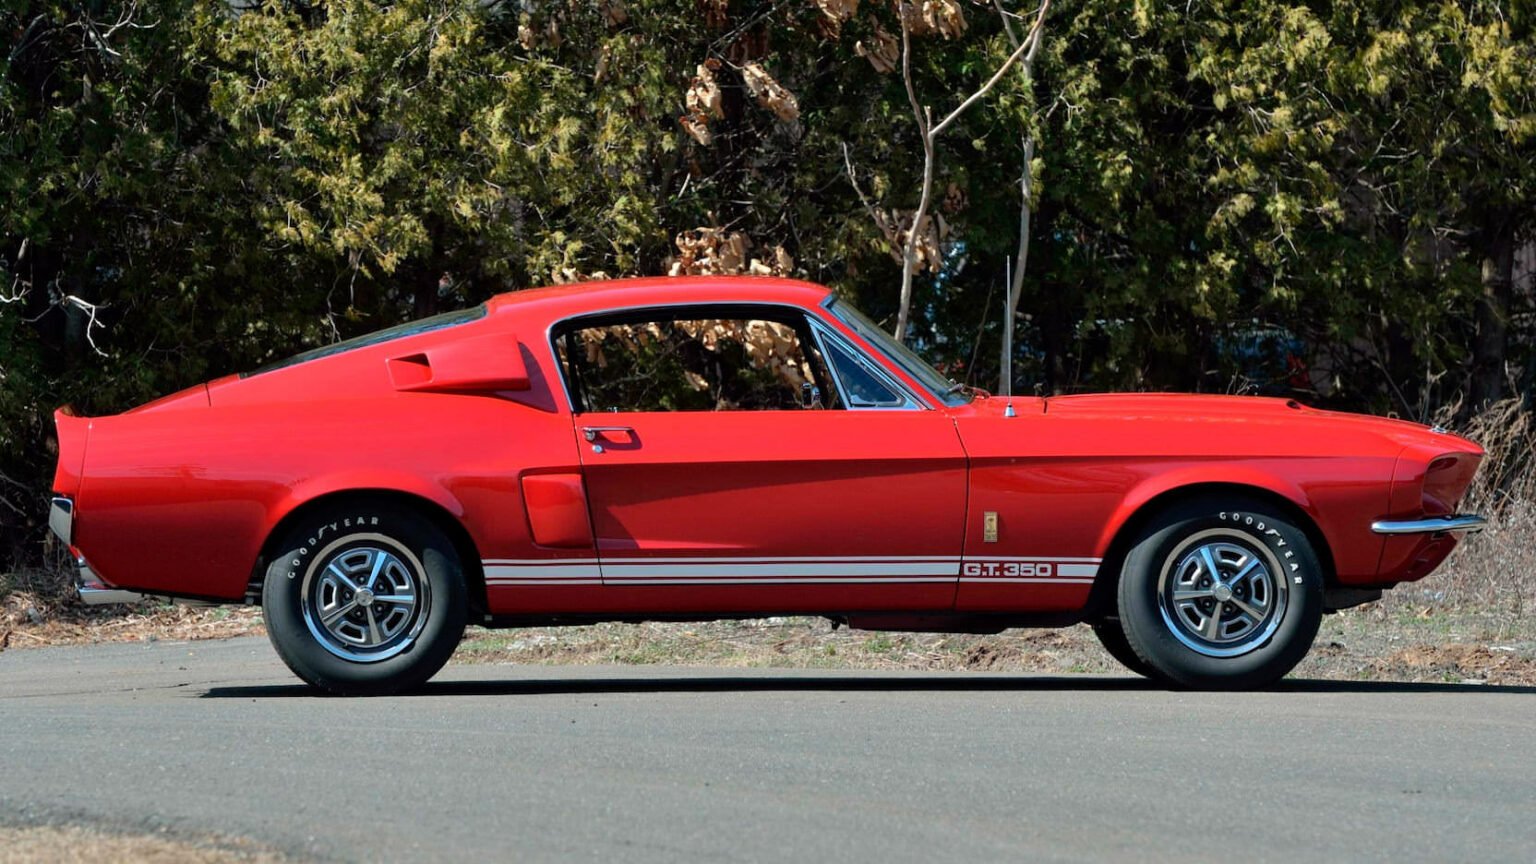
x=1189, y=479
x=1339, y=496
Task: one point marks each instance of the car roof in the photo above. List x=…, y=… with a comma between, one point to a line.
x=562, y=301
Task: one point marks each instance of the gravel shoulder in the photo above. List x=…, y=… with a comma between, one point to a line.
x=1391, y=641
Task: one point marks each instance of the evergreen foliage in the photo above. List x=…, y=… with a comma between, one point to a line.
x=1223, y=191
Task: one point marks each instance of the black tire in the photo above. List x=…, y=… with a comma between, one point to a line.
x=336, y=555
x=1245, y=629
x=1112, y=637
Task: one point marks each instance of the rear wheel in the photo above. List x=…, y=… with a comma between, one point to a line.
x=365, y=599
x=1221, y=594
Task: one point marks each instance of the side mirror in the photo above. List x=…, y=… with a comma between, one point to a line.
x=479, y=364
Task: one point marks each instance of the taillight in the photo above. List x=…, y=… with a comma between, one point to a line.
x=72, y=432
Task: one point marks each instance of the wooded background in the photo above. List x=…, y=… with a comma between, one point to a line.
x=1330, y=200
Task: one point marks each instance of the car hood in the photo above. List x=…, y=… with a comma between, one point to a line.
x=1241, y=413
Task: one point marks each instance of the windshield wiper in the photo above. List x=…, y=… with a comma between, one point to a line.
x=962, y=387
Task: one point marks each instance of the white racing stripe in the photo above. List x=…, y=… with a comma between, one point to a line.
x=862, y=569
x=1026, y=580
x=1052, y=560
x=627, y=570
x=545, y=582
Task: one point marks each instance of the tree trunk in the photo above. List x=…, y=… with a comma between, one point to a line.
x=1016, y=277
x=424, y=292
x=1492, y=314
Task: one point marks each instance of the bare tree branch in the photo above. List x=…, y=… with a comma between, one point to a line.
x=869, y=208
x=1026, y=205
x=996, y=76
x=90, y=309
x=930, y=132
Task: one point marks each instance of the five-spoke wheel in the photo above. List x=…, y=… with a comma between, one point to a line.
x=1220, y=593
x=367, y=602
x=1221, y=598
x=365, y=598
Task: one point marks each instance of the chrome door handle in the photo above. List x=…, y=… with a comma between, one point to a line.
x=591, y=432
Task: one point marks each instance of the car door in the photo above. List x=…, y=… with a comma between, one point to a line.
x=726, y=468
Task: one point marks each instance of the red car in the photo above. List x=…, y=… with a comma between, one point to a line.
x=690, y=449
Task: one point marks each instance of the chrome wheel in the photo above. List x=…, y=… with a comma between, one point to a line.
x=364, y=599
x=1220, y=596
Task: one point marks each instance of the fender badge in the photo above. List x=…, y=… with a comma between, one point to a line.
x=989, y=527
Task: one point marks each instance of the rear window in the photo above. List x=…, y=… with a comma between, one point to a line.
x=399, y=331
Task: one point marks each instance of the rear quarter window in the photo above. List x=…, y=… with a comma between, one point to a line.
x=389, y=334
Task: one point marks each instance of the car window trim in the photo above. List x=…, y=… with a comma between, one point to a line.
x=825, y=336
x=940, y=398
x=562, y=325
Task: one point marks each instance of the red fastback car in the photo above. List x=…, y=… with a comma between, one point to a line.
x=689, y=449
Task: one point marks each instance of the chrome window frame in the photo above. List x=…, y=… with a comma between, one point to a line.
x=815, y=321
x=939, y=398
x=826, y=336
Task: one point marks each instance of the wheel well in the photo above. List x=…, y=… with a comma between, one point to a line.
x=469, y=555
x=1101, y=601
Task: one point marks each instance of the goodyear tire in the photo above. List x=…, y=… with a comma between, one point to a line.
x=1112, y=637
x=1221, y=594
x=365, y=599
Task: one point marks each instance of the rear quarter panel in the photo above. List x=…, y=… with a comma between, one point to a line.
x=182, y=502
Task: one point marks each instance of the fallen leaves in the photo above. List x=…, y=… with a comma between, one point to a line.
x=33, y=620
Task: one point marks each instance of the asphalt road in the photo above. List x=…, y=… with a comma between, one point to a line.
x=662, y=764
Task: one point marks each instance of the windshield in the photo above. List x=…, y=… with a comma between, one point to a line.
x=901, y=355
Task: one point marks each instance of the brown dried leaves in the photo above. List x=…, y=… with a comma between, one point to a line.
x=883, y=51
x=928, y=250
x=769, y=93
x=923, y=17
x=703, y=103
x=715, y=251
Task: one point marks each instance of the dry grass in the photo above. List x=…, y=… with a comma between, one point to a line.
x=35, y=619
x=1493, y=574
x=75, y=845
x=1354, y=645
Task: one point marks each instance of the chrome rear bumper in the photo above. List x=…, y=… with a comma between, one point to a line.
x=1431, y=525
x=93, y=591
x=61, y=519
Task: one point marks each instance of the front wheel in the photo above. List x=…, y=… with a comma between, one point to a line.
x=365, y=599
x=1221, y=594
x=1112, y=637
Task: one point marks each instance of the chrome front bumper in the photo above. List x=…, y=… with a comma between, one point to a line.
x=93, y=591
x=1465, y=522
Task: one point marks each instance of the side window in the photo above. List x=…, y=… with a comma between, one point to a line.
x=863, y=388
x=693, y=364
